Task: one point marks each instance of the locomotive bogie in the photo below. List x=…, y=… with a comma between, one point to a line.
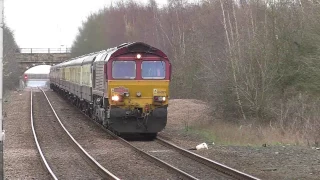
x=129, y=121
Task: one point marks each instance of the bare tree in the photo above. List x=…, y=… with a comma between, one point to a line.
x=251, y=60
x=11, y=66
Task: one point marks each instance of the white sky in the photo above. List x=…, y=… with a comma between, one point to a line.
x=50, y=23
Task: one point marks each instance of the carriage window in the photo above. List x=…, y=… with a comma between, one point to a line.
x=153, y=69
x=124, y=70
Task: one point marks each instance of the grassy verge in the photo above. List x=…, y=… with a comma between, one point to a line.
x=223, y=133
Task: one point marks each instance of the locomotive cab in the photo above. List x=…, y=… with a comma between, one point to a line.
x=138, y=90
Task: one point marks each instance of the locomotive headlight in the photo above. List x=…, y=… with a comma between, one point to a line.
x=138, y=94
x=162, y=98
x=115, y=98
x=139, y=56
x=127, y=94
x=159, y=98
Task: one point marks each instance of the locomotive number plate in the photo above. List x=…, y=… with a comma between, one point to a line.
x=120, y=90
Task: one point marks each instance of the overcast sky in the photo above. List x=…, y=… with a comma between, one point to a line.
x=50, y=23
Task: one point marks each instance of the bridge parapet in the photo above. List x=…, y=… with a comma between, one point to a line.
x=42, y=55
x=42, y=58
x=43, y=50
x=29, y=57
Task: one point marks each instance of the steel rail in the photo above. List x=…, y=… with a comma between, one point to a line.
x=208, y=162
x=219, y=167
x=107, y=174
x=159, y=162
x=37, y=143
x=147, y=156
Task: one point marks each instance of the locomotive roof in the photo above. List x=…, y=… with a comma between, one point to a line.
x=99, y=57
x=124, y=48
x=137, y=47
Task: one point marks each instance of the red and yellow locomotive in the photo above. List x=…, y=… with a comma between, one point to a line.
x=126, y=88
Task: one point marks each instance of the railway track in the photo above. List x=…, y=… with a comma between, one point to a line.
x=203, y=168
x=216, y=170
x=213, y=170
x=205, y=161
x=56, y=162
x=190, y=165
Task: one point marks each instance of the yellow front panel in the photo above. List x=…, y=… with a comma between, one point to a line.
x=147, y=88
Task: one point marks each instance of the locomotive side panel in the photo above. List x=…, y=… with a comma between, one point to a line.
x=98, y=77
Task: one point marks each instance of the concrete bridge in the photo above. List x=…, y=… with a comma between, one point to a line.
x=29, y=57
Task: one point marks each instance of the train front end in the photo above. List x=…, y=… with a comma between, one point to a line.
x=138, y=90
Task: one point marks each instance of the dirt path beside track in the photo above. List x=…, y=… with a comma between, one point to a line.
x=21, y=158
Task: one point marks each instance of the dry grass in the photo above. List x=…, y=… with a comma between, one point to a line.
x=230, y=134
x=183, y=113
x=192, y=116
